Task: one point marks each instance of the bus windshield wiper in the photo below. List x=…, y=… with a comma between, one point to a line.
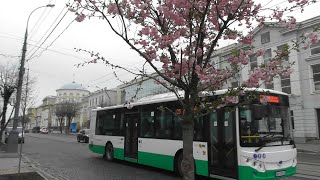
x=264, y=142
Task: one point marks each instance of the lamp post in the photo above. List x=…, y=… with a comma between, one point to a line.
x=13, y=135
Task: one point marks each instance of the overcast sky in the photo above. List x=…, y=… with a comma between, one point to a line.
x=56, y=66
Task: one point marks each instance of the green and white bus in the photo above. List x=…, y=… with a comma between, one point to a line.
x=251, y=141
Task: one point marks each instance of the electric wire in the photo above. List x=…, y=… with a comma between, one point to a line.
x=36, y=27
x=44, y=49
x=44, y=35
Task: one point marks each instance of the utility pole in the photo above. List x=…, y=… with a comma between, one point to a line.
x=23, y=119
x=13, y=135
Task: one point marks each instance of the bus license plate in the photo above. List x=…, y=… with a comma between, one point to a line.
x=280, y=173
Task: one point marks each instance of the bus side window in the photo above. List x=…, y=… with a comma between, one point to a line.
x=164, y=124
x=99, y=125
x=177, y=133
x=198, y=129
x=147, y=124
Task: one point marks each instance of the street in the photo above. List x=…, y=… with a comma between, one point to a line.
x=61, y=157
x=65, y=158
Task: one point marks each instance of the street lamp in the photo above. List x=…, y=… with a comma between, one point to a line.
x=13, y=135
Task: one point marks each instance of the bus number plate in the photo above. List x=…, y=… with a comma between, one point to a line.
x=280, y=173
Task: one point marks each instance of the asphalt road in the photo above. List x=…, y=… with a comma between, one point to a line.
x=65, y=158
x=61, y=157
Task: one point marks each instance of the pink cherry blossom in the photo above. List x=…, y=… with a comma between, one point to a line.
x=313, y=38
x=80, y=17
x=260, y=52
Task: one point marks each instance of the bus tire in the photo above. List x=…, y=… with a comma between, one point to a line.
x=178, y=164
x=109, y=152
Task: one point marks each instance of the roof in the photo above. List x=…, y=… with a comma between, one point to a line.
x=72, y=86
x=165, y=97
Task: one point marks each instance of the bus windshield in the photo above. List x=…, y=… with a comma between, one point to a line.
x=264, y=125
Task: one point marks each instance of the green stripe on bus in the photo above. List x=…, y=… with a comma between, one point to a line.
x=167, y=162
x=248, y=173
x=202, y=167
x=151, y=159
x=96, y=149
x=131, y=159
x=118, y=153
x=156, y=160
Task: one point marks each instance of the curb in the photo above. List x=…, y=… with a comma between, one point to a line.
x=42, y=173
x=8, y=155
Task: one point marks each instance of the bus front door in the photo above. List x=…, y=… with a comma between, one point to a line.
x=222, y=145
x=131, y=137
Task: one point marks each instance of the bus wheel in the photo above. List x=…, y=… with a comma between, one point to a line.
x=178, y=164
x=109, y=152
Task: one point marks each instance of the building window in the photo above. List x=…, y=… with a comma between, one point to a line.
x=253, y=61
x=292, y=119
x=285, y=84
x=269, y=85
x=265, y=37
x=315, y=49
x=316, y=76
x=282, y=48
x=267, y=56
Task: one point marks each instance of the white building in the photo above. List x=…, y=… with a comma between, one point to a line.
x=303, y=85
x=71, y=92
x=44, y=115
x=100, y=98
x=136, y=89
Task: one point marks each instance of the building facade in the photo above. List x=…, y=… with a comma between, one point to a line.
x=100, y=98
x=44, y=115
x=303, y=85
x=138, y=88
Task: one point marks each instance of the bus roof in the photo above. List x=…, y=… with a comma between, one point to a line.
x=165, y=97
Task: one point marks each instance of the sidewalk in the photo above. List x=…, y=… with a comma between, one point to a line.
x=9, y=163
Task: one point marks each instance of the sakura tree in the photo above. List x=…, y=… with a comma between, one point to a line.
x=183, y=37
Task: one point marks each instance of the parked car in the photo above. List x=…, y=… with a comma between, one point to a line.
x=83, y=135
x=36, y=129
x=20, y=135
x=27, y=131
x=44, y=130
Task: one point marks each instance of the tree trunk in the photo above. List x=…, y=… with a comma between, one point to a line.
x=68, y=126
x=188, y=160
x=187, y=167
x=3, y=119
x=60, y=124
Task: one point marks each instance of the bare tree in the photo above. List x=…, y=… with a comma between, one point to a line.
x=60, y=113
x=67, y=110
x=8, y=77
x=28, y=97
